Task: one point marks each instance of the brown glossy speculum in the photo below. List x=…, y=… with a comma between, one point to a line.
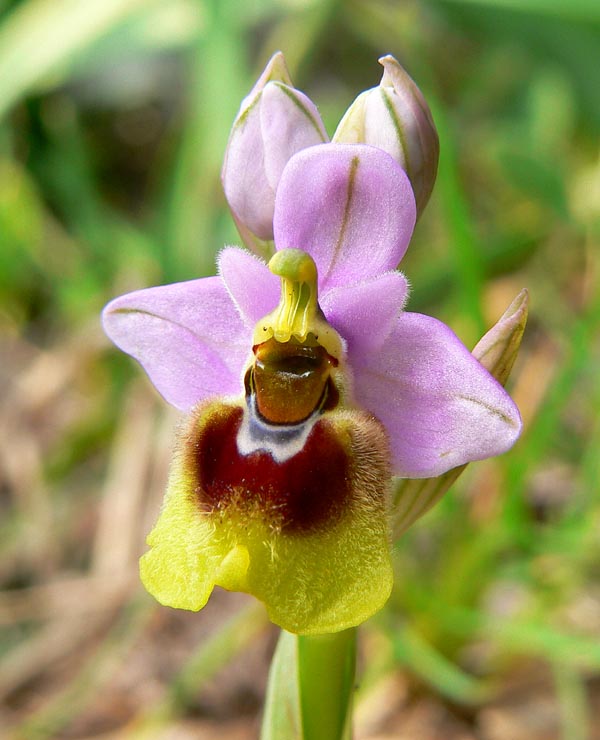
x=290, y=379
x=294, y=346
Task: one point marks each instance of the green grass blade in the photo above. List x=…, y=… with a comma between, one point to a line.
x=422, y=659
x=41, y=36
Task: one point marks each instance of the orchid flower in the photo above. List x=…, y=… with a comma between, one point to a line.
x=306, y=388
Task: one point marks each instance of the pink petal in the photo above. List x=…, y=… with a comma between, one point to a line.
x=365, y=313
x=188, y=337
x=252, y=286
x=350, y=206
x=441, y=408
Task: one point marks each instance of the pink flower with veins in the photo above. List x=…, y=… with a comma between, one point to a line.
x=390, y=392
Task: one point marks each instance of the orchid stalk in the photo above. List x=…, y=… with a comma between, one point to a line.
x=306, y=389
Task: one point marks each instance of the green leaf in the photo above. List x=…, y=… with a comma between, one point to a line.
x=282, y=717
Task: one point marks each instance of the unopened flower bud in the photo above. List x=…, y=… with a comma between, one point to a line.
x=395, y=117
x=274, y=122
x=497, y=350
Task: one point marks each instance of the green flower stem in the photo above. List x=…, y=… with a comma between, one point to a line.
x=310, y=689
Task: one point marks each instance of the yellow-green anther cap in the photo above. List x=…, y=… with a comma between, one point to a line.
x=298, y=314
x=396, y=118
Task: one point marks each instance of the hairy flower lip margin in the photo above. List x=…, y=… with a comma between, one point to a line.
x=313, y=581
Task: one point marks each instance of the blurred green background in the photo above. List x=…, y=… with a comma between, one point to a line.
x=114, y=115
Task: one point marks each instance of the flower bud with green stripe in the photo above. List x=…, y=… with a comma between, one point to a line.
x=395, y=117
x=274, y=122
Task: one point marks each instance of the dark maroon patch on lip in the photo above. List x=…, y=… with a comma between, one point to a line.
x=301, y=494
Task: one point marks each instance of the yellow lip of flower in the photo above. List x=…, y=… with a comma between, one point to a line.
x=298, y=313
x=307, y=536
